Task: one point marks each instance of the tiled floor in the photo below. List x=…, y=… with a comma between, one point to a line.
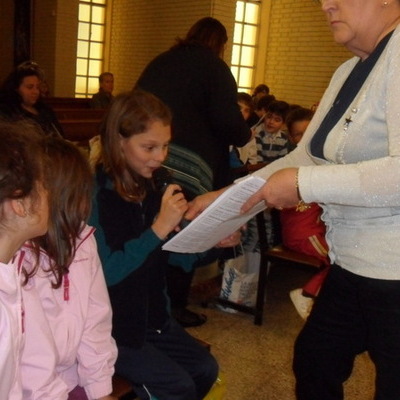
x=256, y=360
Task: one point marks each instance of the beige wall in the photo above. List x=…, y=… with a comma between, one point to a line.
x=301, y=55
x=142, y=29
x=299, y=60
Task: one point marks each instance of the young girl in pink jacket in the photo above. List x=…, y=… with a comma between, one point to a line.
x=23, y=215
x=70, y=283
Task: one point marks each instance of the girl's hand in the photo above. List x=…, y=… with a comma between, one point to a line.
x=173, y=207
x=201, y=202
x=231, y=241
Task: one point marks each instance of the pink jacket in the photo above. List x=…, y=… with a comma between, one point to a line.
x=11, y=328
x=79, y=315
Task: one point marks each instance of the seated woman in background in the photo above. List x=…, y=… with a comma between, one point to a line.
x=70, y=284
x=21, y=98
x=23, y=216
x=132, y=221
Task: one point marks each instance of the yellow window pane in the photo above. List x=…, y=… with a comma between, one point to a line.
x=247, y=56
x=251, y=14
x=80, y=84
x=237, y=33
x=245, y=77
x=96, y=50
x=99, y=1
x=83, y=31
x=95, y=67
x=235, y=54
x=97, y=33
x=83, y=49
x=98, y=15
x=93, y=85
x=235, y=72
x=84, y=12
x=239, y=11
x=81, y=66
x=250, y=34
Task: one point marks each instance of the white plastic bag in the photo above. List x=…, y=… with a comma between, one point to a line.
x=240, y=279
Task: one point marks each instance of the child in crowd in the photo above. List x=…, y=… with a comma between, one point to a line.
x=271, y=140
x=247, y=154
x=261, y=106
x=303, y=231
x=133, y=219
x=23, y=215
x=70, y=284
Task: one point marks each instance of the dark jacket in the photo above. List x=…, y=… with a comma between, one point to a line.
x=201, y=92
x=46, y=117
x=133, y=261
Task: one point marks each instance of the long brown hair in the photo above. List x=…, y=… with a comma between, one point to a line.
x=207, y=32
x=129, y=114
x=21, y=155
x=69, y=182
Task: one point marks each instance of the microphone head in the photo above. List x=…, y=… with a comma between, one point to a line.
x=162, y=177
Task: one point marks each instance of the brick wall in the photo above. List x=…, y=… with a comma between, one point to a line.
x=297, y=63
x=301, y=54
x=54, y=44
x=142, y=29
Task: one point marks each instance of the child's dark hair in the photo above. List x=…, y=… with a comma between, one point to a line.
x=69, y=181
x=21, y=158
x=246, y=99
x=298, y=114
x=264, y=102
x=279, y=107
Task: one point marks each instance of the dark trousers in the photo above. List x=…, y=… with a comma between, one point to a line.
x=352, y=314
x=178, y=286
x=171, y=365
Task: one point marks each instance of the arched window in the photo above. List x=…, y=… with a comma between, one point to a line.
x=90, y=50
x=245, y=37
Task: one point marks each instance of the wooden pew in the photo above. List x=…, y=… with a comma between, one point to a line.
x=79, y=113
x=67, y=102
x=80, y=130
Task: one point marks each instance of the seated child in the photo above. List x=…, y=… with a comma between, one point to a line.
x=271, y=140
x=303, y=231
x=70, y=284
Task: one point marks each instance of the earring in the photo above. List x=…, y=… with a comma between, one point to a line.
x=385, y=3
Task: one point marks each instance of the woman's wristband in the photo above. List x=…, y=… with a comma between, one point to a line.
x=301, y=205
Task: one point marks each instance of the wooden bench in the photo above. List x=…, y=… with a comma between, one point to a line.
x=122, y=389
x=67, y=102
x=81, y=130
x=79, y=113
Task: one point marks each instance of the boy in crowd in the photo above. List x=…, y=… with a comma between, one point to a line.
x=271, y=140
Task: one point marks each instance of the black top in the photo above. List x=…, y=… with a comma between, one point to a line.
x=201, y=92
x=139, y=301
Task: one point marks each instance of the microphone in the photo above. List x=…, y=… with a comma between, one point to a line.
x=162, y=177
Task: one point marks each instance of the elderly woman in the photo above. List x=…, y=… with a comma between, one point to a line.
x=348, y=161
